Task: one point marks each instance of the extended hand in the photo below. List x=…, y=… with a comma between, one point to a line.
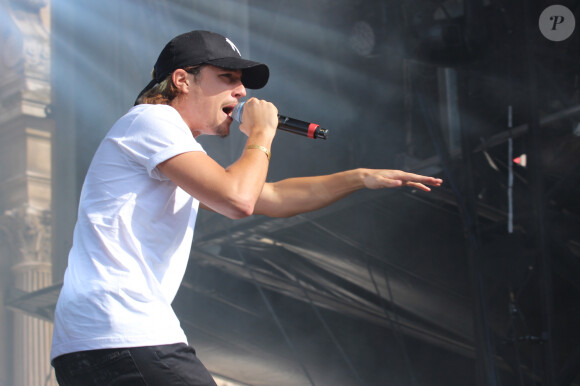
x=380, y=178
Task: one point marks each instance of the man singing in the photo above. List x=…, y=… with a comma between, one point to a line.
x=114, y=323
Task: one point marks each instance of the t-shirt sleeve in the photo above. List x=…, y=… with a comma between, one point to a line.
x=156, y=135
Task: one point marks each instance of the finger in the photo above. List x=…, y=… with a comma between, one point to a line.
x=385, y=182
x=429, y=180
x=417, y=185
x=421, y=179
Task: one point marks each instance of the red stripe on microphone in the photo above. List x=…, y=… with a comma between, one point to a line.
x=311, y=129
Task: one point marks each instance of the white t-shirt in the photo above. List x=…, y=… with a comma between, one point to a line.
x=132, y=239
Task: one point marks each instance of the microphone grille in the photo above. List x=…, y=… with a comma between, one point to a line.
x=238, y=111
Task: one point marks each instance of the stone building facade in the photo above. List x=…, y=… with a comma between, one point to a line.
x=26, y=131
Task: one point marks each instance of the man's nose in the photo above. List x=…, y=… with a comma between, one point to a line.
x=240, y=91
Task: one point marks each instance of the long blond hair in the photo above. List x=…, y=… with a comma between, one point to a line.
x=165, y=91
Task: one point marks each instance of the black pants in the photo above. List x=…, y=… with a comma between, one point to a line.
x=174, y=364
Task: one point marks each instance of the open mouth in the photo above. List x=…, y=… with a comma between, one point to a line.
x=228, y=110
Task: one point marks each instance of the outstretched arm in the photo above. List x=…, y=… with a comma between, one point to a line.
x=304, y=194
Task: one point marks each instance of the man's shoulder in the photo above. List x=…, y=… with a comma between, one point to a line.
x=146, y=117
x=152, y=110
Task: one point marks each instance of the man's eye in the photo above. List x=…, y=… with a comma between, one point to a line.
x=230, y=78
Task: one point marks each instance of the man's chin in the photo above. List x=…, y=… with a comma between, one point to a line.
x=223, y=130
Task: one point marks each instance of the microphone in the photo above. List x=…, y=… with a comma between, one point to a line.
x=291, y=125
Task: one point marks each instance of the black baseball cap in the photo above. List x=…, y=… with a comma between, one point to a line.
x=204, y=47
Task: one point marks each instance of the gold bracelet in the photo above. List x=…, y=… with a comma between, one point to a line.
x=266, y=151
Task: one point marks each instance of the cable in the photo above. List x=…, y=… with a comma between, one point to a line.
x=395, y=325
x=332, y=336
x=472, y=236
x=393, y=320
x=514, y=310
x=275, y=316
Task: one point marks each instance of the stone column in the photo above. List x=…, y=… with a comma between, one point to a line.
x=26, y=234
x=25, y=186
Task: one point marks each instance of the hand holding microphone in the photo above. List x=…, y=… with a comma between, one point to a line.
x=291, y=125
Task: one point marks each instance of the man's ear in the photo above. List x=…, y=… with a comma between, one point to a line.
x=180, y=79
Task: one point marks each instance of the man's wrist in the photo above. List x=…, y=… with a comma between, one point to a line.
x=261, y=148
x=361, y=174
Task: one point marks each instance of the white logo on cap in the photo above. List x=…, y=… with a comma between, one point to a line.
x=233, y=46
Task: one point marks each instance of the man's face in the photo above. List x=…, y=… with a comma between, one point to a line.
x=207, y=107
